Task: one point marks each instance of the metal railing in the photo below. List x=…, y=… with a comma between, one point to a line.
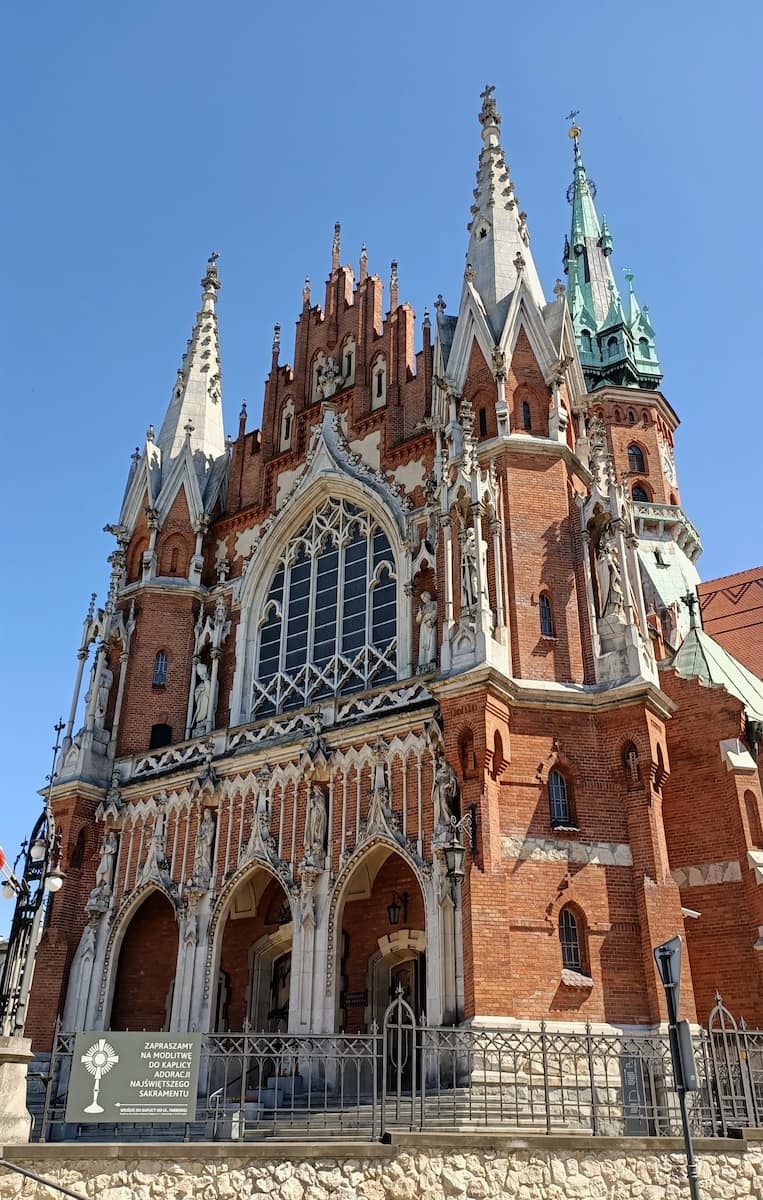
x=408, y=1075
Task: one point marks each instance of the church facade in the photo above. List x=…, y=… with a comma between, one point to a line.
x=406, y=688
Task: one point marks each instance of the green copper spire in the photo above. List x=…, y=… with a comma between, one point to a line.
x=614, y=348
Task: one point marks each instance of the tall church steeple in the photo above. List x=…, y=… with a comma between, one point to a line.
x=615, y=347
x=499, y=237
x=196, y=401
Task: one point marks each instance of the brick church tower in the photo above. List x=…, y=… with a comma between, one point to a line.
x=401, y=688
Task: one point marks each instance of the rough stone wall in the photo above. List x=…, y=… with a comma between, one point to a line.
x=476, y=1168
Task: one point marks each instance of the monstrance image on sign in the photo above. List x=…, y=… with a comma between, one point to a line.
x=98, y=1060
x=133, y=1077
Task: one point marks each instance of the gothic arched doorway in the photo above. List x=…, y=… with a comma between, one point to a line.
x=145, y=974
x=254, y=971
x=382, y=943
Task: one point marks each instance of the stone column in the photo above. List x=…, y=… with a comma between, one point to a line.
x=15, y=1121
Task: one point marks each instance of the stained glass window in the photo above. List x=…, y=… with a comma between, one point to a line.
x=329, y=623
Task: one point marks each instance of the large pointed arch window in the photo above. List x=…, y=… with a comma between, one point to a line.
x=329, y=624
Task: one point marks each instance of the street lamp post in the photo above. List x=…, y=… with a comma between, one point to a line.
x=41, y=873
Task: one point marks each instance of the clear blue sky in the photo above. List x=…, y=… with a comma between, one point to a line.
x=139, y=137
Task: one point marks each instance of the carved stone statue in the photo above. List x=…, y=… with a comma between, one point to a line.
x=610, y=579
x=316, y=820
x=469, y=592
x=202, y=858
x=444, y=792
x=104, y=687
x=202, y=697
x=426, y=619
x=104, y=875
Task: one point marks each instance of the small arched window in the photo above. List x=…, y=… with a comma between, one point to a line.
x=569, y=939
x=753, y=818
x=639, y=494
x=558, y=799
x=482, y=415
x=587, y=343
x=636, y=458
x=618, y=416
x=527, y=423
x=160, y=670
x=161, y=735
x=348, y=362
x=612, y=350
x=498, y=762
x=630, y=762
x=467, y=754
x=379, y=383
x=631, y=417
x=546, y=615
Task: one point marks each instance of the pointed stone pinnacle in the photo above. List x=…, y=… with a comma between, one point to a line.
x=150, y=433
x=336, y=247
x=306, y=291
x=276, y=338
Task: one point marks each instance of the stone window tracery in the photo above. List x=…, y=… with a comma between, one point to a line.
x=160, y=670
x=329, y=624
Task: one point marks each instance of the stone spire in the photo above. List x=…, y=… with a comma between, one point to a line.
x=614, y=349
x=197, y=395
x=499, y=242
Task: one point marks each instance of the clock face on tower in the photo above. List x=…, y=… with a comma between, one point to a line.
x=668, y=463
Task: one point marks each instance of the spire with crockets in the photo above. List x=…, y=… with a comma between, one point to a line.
x=616, y=346
x=499, y=242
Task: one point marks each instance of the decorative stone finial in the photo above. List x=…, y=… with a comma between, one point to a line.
x=393, y=285
x=363, y=262
x=189, y=428
x=559, y=289
x=440, y=304
x=135, y=456
x=489, y=114
x=426, y=323
x=150, y=433
x=519, y=263
x=336, y=247
x=276, y=339
x=306, y=291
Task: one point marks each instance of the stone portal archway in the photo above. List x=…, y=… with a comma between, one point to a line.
x=254, y=965
x=145, y=973
x=381, y=940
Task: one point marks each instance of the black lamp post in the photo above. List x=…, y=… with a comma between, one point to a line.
x=41, y=873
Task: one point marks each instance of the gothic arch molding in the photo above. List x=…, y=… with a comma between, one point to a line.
x=127, y=911
x=261, y=567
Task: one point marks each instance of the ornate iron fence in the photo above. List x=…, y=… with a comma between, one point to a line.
x=408, y=1075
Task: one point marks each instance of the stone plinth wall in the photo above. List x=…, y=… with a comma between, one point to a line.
x=413, y=1166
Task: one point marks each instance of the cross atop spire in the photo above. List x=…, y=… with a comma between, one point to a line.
x=498, y=229
x=613, y=348
x=197, y=397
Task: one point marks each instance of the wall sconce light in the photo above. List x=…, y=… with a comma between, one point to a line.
x=398, y=905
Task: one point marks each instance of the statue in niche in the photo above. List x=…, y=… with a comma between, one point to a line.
x=202, y=697
x=202, y=858
x=104, y=687
x=104, y=875
x=426, y=619
x=444, y=793
x=329, y=378
x=469, y=591
x=316, y=821
x=610, y=579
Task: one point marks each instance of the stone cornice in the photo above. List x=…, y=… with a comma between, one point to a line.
x=524, y=443
x=630, y=396
x=537, y=694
